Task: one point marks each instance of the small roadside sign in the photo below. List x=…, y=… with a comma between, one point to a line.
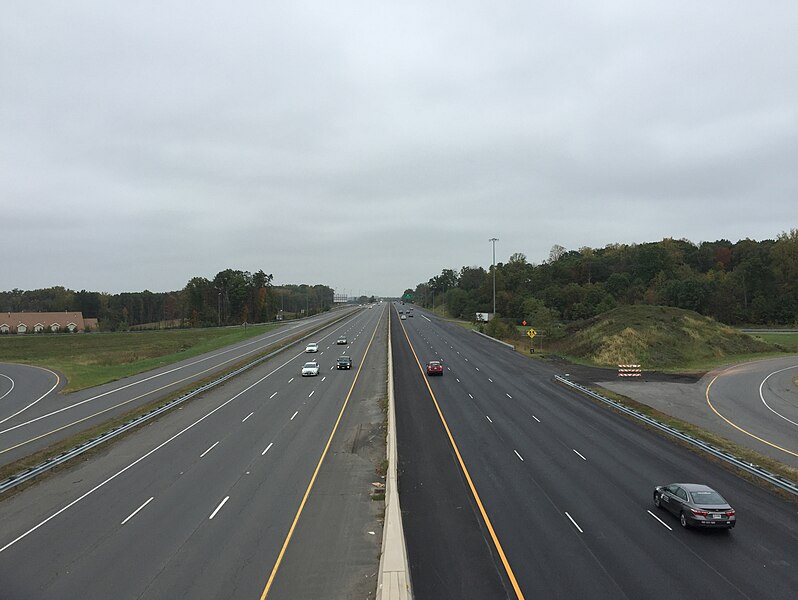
x=531, y=333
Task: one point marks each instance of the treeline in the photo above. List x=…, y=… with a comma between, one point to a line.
x=749, y=282
x=232, y=297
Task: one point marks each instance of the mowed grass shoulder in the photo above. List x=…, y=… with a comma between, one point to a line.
x=90, y=359
x=786, y=340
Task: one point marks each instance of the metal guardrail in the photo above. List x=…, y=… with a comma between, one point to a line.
x=54, y=461
x=757, y=471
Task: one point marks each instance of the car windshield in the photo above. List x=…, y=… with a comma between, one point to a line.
x=435, y=364
x=707, y=497
x=310, y=365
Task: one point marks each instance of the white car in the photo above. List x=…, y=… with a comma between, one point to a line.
x=310, y=369
x=312, y=347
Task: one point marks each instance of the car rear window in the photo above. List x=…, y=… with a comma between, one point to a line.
x=707, y=497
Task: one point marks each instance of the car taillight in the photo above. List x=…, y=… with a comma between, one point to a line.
x=700, y=513
x=731, y=513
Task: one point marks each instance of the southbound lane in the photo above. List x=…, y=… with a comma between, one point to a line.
x=57, y=417
x=566, y=489
x=198, y=504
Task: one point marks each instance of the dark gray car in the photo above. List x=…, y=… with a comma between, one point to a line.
x=696, y=505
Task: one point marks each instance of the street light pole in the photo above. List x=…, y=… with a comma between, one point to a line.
x=493, y=267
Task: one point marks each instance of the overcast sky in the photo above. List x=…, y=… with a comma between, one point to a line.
x=369, y=145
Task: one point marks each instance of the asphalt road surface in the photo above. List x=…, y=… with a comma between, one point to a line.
x=226, y=497
x=513, y=486
x=753, y=404
x=22, y=387
x=55, y=417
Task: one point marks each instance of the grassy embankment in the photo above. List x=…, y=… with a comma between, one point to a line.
x=661, y=339
x=88, y=360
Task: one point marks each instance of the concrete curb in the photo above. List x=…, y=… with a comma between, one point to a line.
x=494, y=339
x=393, y=581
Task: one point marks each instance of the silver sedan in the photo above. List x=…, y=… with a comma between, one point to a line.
x=696, y=505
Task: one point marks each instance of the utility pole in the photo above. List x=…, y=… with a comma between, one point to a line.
x=493, y=268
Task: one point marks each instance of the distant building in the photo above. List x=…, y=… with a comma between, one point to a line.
x=45, y=322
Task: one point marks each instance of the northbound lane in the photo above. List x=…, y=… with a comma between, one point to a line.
x=566, y=487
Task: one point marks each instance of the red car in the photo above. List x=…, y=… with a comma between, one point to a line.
x=434, y=367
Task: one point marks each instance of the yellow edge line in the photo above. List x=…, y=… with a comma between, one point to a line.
x=316, y=472
x=738, y=428
x=484, y=513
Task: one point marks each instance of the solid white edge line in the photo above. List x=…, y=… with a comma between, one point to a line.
x=11, y=389
x=762, y=396
x=209, y=449
x=267, y=448
x=574, y=522
x=578, y=454
x=248, y=416
x=21, y=410
x=518, y=455
x=218, y=508
x=295, y=414
x=133, y=514
x=660, y=520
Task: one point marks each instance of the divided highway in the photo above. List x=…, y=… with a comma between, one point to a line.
x=210, y=500
x=512, y=486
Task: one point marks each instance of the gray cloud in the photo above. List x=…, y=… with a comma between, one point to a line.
x=367, y=146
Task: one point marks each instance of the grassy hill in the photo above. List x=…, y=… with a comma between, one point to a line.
x=658, y=338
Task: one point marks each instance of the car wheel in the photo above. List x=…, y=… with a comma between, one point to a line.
x=683, y=521
x=657, y=501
